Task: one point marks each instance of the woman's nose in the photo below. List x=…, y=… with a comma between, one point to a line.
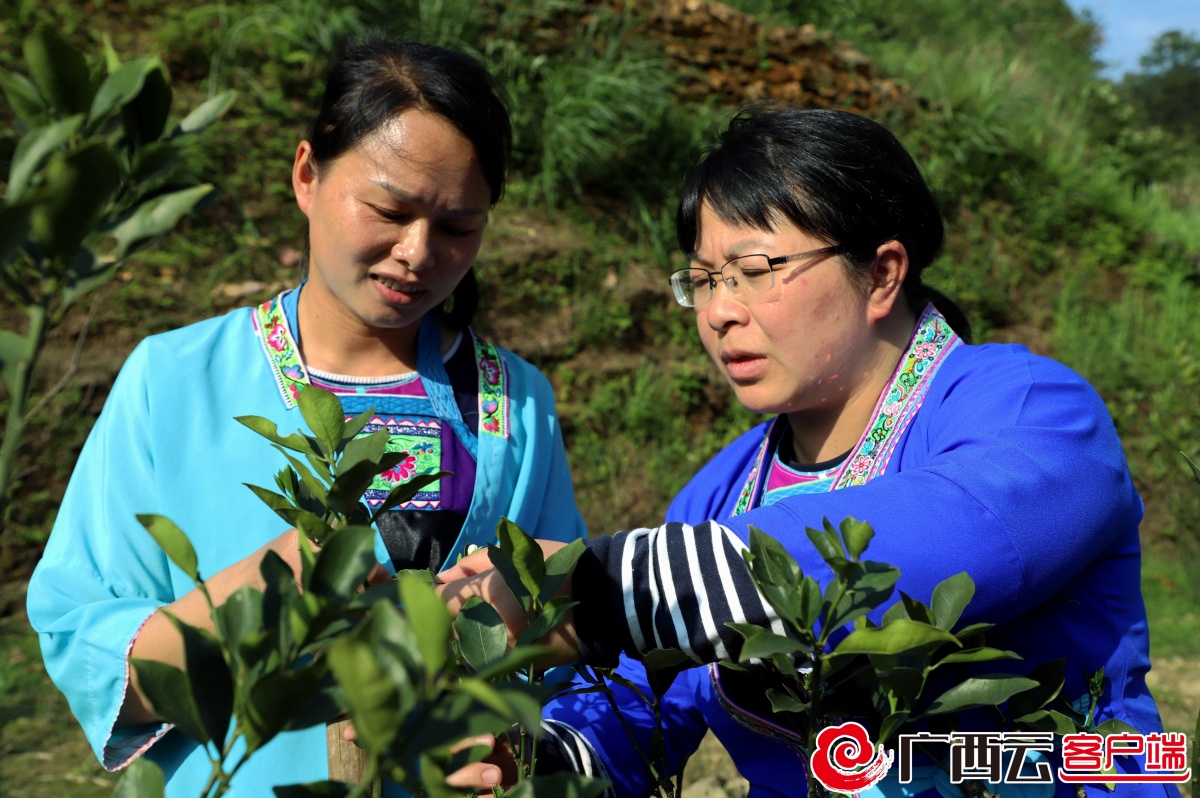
x=723, y=309
x=413, y=249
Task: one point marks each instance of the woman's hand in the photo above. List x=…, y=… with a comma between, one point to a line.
x=474, y=576
x=158, y=638
x=497, y=769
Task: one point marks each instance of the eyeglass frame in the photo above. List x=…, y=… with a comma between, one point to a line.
x=836, y=249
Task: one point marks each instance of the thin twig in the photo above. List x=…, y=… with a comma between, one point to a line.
x=72, y=369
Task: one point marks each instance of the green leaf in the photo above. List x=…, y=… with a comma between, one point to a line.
x=343, y=565
x=981, y=654
x=239, y=624
x=366, y=449
x=209, y=679
x=24, y=99
x=762, y=643
x=316, y=489
x=972, y=629
x=828, y=545
x=523, y=710
x=153, y=161
x=890, y=725
x=990, y=690
x=482, y=636
x=898, y=637
x=282, y=505
x=559, y=567
x=950, y=598
x=273, y=701
x=503, y=563
x=857, y=534
x=269, y=430
x=312, y=526
x=85, y=273
x=1050, y=678
x=32, y=150
x=355, y=425
x=429, y=619
x=1045, y=721
x=206, y=113
x=514, y=661
x=526, y=555
x=1195, y=468
x=122, y=85
x=77, y=186
x=349, y=485
x=1114, y=726
x=372, y=697
x=323, y=413
x=170, y=695
x=142, y=779
x=776, y=575
x=59, y=70
x=782, y=701
x=405, y=491
x=145, y=116
x=14, y=229
x=173, y=542
x=553, y=613
x=154, y=217
x=902, y=685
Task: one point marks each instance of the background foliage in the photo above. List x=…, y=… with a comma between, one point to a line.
x=1071, y=204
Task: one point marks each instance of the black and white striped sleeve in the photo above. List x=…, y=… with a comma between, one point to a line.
x=675, y=586
x=562, y=749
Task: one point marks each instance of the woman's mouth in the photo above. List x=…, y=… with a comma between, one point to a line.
x=743, y=367
x=397, y=292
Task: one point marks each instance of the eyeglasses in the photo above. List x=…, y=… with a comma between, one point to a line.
x=744, y=276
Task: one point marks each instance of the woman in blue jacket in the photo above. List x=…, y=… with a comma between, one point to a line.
x=807, y=234
x=397, y=177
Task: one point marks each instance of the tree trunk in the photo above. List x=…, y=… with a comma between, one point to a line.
x=347, y=762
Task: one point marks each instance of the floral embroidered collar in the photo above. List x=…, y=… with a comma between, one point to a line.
x=273, y=328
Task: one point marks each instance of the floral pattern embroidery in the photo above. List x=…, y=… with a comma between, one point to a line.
x=421, y=441
x=280, y=349
x=401, y=471
x=493, y=389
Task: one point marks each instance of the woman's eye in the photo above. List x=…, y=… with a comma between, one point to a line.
x=393, y=216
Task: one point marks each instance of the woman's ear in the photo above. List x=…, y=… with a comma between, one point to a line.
x=304, y=177
x=887, y=279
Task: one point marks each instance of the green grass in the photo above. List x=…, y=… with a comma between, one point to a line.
x=43, y=753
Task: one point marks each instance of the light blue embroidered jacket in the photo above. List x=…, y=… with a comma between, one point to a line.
x=166, y=442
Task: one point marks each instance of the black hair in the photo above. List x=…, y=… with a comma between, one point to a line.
x=839, y=176
x=375, y=78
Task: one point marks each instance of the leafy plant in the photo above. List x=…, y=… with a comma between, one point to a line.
x=892, y=664
x=86, y=188
x=313, y=647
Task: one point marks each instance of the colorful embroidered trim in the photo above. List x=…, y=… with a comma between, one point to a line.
x=270, y=322
x=901, y=399
x=493, y=389
x=421, y=438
